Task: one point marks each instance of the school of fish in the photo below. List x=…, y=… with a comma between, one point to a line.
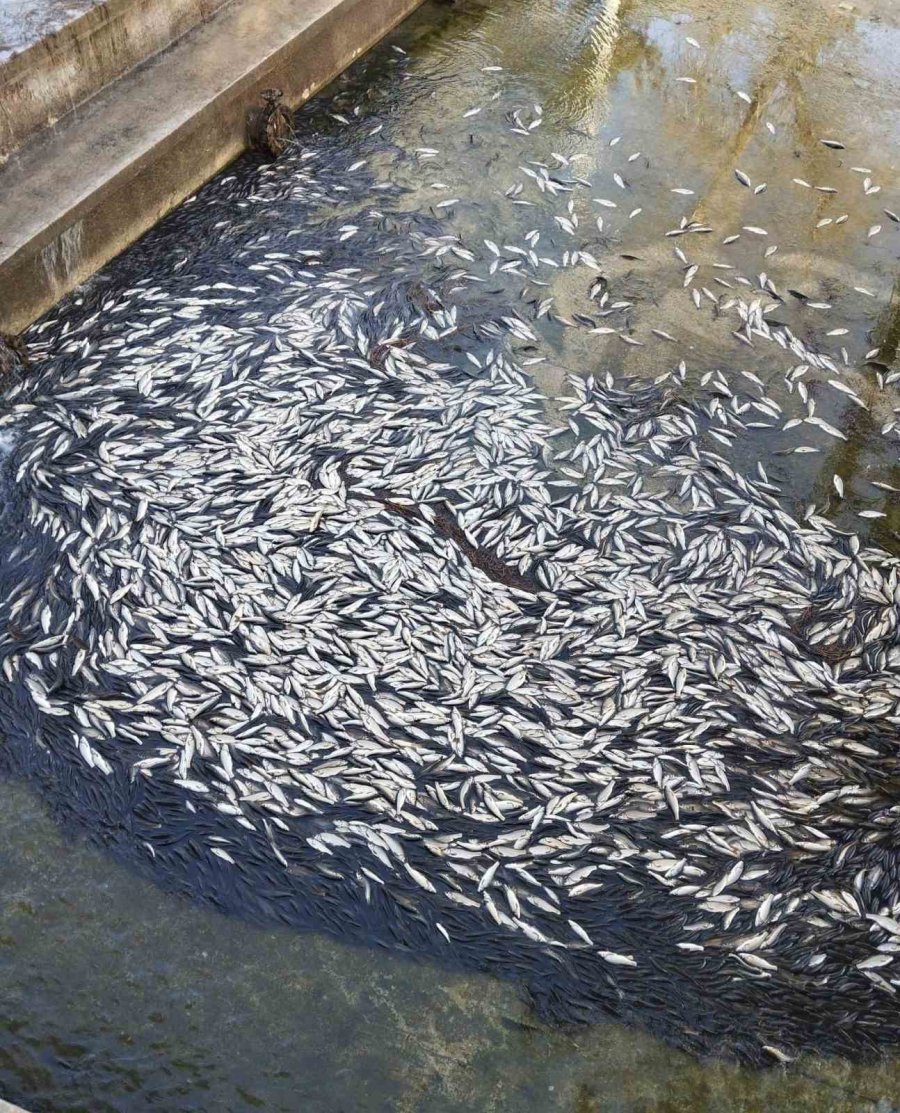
x=312, y=605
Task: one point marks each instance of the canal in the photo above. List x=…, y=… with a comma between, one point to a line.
x=121, y=996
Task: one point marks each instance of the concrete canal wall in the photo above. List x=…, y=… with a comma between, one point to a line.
x=111, y=120
x=61, y=63
x=8, y=1107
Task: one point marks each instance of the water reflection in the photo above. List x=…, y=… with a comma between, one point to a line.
x=758, y=92
x=853, y=460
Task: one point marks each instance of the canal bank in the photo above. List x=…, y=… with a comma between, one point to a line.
x=116, y=115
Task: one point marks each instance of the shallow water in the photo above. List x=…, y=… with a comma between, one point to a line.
x=118, y=997
x=815, y=73
x=121, y=995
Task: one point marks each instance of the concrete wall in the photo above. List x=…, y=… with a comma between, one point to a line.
x=8, y=1107
x=55, y=75
x=143, y=145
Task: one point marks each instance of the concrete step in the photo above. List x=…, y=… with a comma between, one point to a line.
x=55, y=54
x=78, y=194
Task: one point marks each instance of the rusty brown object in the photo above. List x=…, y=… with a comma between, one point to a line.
x=13, y=355
x=271, y=127
x=832, y=652
x=378, y=355
x=484, y=559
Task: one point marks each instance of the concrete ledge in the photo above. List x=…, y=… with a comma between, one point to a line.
x=8, y=1107
x=79, y=196
x=63, y=68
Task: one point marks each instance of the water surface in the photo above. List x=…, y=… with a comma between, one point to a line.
x=121, y=997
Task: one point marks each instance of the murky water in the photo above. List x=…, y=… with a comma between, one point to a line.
x=619, y=74
x=118, y=997
x=121, y=997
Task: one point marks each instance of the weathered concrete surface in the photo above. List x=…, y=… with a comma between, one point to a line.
x=25, y=22
x=77, y=196
x=51, y=64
